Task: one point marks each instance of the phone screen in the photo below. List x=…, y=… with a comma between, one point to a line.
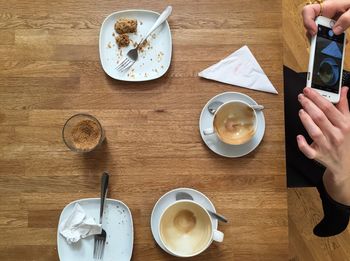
x=328, y=60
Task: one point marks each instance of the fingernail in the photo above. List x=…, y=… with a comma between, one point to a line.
x=298, y=137
x=338, y=29
x=307, y=90
x=301, y=112
x=300, y=96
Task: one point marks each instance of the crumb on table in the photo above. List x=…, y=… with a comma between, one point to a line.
x=123, y=26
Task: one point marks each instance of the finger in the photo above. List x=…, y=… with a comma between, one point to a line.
x=305, y=148
x=329, y=9
x=317, y=115
x=331, y=112
x=312, y=129
x=342, y=24
x=309, y=13
x=343, y=104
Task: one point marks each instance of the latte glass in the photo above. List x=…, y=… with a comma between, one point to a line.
x=82, y=133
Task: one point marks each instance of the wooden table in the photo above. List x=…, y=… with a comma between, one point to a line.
x=50, y=70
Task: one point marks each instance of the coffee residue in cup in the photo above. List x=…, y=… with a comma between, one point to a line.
x=86, y=135
x=185, y=221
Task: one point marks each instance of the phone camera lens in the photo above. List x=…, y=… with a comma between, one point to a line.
x=330, y=33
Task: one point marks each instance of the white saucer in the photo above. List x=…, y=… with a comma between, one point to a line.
x=167, y=199
x=214, y=143
x=117, y=221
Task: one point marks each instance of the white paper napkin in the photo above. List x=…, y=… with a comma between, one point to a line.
x=78, y=225
x=242, y=69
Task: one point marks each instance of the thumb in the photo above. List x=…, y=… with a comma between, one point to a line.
x=343, y=105
x=342, y=24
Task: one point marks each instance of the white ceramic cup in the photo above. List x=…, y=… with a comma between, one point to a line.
x=234, y=123
x=186, y=229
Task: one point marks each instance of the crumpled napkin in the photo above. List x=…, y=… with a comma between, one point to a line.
x=78, y=225
x=242, y=69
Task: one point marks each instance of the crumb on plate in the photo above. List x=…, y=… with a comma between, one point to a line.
x=122, y=40
x=123, y=26
x=144, y=45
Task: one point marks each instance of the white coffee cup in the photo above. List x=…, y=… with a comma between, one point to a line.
x=234, y=122
x=186, y=229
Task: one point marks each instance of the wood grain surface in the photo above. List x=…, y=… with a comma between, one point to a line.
x=304, y=204
x=50, y=70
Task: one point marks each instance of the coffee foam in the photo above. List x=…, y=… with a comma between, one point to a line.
x=235, y=123
x=185, y=228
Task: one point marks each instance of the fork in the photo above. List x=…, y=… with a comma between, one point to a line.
x=100, y=239
x=132, y=55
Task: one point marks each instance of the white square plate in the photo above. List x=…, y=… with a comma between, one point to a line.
x=117, y=221
x=153, y=62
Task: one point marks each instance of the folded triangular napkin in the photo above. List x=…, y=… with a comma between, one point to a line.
x=241, y=69
x=78, y=225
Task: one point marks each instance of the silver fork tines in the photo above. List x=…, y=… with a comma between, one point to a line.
x=126, y=63
x=99, y=245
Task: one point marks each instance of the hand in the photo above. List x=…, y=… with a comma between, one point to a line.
x=331, y=9
x=329, y=128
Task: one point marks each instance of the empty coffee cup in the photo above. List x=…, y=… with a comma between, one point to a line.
x=185, y=229
x=234, y=123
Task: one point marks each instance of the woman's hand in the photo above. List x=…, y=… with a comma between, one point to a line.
x=334, y=9
x=329, y=128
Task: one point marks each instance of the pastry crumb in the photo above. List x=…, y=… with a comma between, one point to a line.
x=144, y=45
x=122, y=40
x=124, y=26
x=160, y=56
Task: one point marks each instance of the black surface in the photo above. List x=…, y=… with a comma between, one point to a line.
x=297, y=164
x=301, y=172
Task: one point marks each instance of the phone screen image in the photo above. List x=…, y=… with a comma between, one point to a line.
x=328, y=60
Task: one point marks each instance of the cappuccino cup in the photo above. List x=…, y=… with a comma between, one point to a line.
x=235, y=123
x=186, y=230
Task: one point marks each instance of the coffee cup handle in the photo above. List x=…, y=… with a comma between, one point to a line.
x=209, y=131
x=218, y=236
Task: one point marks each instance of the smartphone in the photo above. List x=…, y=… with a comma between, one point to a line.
x=326, y=60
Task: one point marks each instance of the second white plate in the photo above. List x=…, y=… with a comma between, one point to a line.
x=152, y=63
x=117, y=221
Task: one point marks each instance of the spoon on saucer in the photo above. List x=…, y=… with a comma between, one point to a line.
x=216, y=104
x=184, y=195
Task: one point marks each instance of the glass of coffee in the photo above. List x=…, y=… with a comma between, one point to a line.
x=82, y=133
